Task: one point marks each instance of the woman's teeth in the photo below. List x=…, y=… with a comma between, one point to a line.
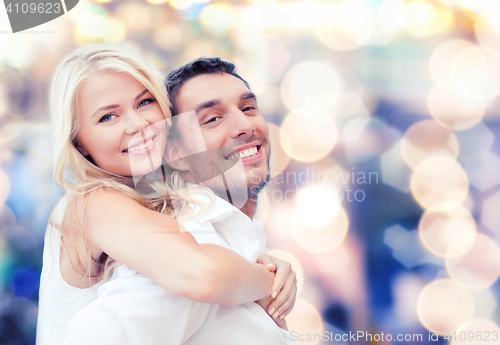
x=141, y=147
x=245, y=153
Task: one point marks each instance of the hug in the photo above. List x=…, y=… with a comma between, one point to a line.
x=154, y=241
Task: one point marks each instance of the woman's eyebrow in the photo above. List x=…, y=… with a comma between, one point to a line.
x=140, y=95
x=106, y=107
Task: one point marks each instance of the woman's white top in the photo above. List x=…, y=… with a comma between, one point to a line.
x=58, y=300
x=131, y=309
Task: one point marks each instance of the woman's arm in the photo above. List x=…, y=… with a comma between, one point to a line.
x=158, y=246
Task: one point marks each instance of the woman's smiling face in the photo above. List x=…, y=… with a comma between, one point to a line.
x=122, y=126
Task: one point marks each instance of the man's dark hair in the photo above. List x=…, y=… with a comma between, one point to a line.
x=200, y=66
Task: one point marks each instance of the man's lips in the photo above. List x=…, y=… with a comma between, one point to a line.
x=140, y=144
x=244, y=151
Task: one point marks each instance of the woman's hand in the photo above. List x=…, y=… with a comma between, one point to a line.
x=284, y=288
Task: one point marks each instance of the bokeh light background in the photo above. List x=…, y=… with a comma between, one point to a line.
x=384, y=117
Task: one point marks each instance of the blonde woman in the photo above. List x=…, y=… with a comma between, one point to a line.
x=109, y=108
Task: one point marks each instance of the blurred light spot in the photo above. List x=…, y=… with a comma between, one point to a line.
x=448, y=234
x=454, y=111
x=340, y=255
x=102, y=1
x=168, y=35
x=324, y=238
x=395, y=172
x=479, y=267
x=443, y=306
x=217, y=18
x=296, y=266
x=349, y=105
x=391, y=15
x=490, y=217
x=263, y=205
x=406, y=248
x=279, y=226
x=157, y=2
x=279, y=158
x=308, y=134
x=7, y=217
x=310, y=84
x=11, y=91
x=4, y=186
x=439, y=184
x=318, y=204
x=351, y=26
x=487, y=26
x=478, y=138
x=114, y=31
x=483, y=169
x=271, y=15
x=426, y=18
x=135, y=16
x=264, y=59
x=20, y=55
x=197, y=48
x=366, y=137
x=181, y=4
x=269, y=99
x=11, y=129
x=427, y=139
x=475, y=329
x=439, y=63
x=305, y=319
x=486, y=303
x=406, y=287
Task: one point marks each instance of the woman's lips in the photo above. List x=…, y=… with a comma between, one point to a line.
x=142, y=149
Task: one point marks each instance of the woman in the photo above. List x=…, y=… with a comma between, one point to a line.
x=110, y=109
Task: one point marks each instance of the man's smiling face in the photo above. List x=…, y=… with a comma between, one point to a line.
x=232, y=129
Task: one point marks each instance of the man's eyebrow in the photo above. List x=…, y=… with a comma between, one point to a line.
x=248, y=95
x=207, y=104
x=107, y=107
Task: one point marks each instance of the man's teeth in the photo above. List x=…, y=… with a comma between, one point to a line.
x=141, y=146
x=245, y=153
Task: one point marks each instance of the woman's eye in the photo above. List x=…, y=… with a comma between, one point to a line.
x=146, y=102
x=106, y=118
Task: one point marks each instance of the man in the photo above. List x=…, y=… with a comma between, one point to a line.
x=218, y=139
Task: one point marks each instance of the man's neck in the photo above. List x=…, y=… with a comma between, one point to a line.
x=249, y=208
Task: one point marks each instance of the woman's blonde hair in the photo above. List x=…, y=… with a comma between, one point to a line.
x=72, y=171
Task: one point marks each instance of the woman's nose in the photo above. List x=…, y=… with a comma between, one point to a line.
x=135, y=122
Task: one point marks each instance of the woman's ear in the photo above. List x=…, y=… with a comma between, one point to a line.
x=174, y=158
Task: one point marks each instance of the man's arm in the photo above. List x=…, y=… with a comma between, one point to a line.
x=154, y=244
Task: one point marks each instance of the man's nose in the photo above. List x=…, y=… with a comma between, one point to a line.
x=241, y=124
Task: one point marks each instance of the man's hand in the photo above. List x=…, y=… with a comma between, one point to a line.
x=284, y=289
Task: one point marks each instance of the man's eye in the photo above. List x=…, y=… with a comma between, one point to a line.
x=212, y=120
x=248, y=108
x=106, y=118
x=146, y=102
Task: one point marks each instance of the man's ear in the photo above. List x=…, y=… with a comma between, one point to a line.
x=80, y=148
x=174, y=157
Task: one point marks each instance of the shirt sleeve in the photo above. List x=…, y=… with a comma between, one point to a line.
x=134, y=310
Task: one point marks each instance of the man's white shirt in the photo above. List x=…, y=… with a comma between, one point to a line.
x=131, y=309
